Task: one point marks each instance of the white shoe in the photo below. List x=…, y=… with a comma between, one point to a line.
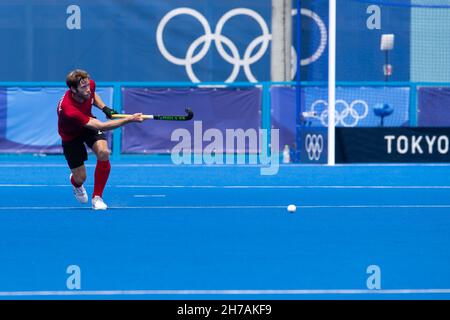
x=98, y=204
x=80, y=193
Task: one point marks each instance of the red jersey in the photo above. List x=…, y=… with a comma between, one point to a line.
x=72, y=115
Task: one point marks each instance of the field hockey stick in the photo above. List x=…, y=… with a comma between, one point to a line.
x=186, y=117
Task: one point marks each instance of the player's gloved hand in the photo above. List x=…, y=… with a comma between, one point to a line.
x=109, y=112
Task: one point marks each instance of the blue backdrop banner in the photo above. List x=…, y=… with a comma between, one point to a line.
x=29, y=122
x=354, y=108
x=2, y=113
x=188, y=40
x=215, y=109
x=434, y=106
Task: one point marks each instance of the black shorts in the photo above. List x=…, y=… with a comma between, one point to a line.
x=75, y=150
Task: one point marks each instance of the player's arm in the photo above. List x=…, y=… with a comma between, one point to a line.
x=96, y=124
x=98, y=102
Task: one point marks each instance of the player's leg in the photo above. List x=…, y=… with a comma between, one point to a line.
x=102, y=168
x=77, y=178
x=75, y=154
x=98, y=144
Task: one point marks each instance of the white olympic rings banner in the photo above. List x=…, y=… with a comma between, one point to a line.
x=314, y=146
x=220, y=40
x=346, y=114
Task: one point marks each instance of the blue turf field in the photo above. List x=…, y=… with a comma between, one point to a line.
x=223, y=232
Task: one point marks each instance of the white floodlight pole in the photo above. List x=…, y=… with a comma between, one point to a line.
x=387, y=44
x=331, y=81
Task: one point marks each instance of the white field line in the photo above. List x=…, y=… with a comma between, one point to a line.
x=162, y=165
x=229, y=187
x=149, y=195
x=406, y=206
x=223, y=292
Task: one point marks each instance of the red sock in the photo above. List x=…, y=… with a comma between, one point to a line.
x=101, y=175
x=72, y=180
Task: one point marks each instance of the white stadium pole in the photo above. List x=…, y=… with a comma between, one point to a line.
x=280, y=69
x=331, y=81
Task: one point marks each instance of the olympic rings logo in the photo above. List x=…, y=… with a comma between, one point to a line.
x=347, y=115
x=220, y=40
x=314, y=146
